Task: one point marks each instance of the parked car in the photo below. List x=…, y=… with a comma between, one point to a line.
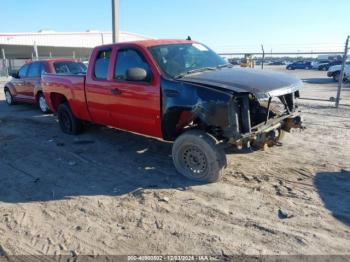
x=181, y=91
x=334, y=72
x=234, y=61
x=277, y=63
x=299, y=65
x=326, y=66
x=319, y=64
x=25, y=85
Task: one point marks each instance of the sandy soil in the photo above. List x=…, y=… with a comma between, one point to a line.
x=111, y=192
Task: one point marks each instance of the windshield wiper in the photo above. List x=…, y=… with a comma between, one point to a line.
x=193, y=71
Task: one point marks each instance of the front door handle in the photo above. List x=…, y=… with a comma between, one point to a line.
x=116, y=91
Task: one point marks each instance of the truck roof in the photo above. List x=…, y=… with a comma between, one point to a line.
x=152, y=42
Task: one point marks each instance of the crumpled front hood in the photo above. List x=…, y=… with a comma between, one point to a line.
x=261, y=83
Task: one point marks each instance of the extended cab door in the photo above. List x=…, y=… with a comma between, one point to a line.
x=136, y=104
x=98, y=89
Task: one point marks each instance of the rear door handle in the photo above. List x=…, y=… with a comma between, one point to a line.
x=116, y=91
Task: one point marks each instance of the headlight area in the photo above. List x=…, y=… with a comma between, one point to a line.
x=262, y=121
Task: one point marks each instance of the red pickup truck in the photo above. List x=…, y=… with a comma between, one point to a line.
x=25, y=85
x=181, y=91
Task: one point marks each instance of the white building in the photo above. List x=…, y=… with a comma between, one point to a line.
x=86, y=39
x=19, y=47
x=51, y=43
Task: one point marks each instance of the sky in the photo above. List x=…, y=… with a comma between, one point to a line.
x=225, y=25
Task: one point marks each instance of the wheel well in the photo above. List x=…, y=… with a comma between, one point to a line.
x=57, y=99
x=37, y=95
x=199, y=125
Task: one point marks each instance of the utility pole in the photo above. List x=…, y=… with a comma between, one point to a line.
x=341, y=77
x=102, y=40
x=115, y=29
x=263, y=56
x=4, y=62
x=36, y=51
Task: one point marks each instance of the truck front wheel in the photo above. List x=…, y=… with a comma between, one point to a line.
x=68, y=122
x=197, y=156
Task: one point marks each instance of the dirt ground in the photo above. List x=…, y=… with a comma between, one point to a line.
x=112, y=192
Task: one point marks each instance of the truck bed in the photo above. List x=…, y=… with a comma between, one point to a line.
x=69, y=87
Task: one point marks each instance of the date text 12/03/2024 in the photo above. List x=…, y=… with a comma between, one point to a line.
x=172, y=258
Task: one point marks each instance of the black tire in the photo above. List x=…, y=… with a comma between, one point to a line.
x=307, y=68
x=197, y=156
x=68, y=122
x=8, y=97
x=42, y=104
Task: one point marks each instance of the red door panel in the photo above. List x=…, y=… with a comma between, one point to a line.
x=98, y=90
x=136, y=107
x=121, y=104
x=99, y=99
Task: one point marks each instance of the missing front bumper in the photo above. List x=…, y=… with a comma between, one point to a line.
x=269, y=132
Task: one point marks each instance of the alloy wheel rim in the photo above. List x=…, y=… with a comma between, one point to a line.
x=8, y=97
x=42, y=104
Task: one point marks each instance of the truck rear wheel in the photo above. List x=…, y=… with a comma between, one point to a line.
x=196, y=155
x=68, y=122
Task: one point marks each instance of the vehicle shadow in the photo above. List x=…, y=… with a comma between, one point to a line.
x=100, y=162
x=334, y=190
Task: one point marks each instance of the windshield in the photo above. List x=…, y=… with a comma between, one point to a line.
x=178, y=59
x=70, y=67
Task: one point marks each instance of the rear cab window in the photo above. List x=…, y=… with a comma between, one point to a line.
x=69, y=67
x=102, y=63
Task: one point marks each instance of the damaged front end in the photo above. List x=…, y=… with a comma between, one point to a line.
x=236, y=106
x=261, y=122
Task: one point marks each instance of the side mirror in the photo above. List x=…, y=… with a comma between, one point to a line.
x=136, y=74
x=15, y=75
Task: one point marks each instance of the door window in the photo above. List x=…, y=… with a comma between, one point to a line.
x=35, y=70
x=23, y=71
x=130, y=58
x=102, y=63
